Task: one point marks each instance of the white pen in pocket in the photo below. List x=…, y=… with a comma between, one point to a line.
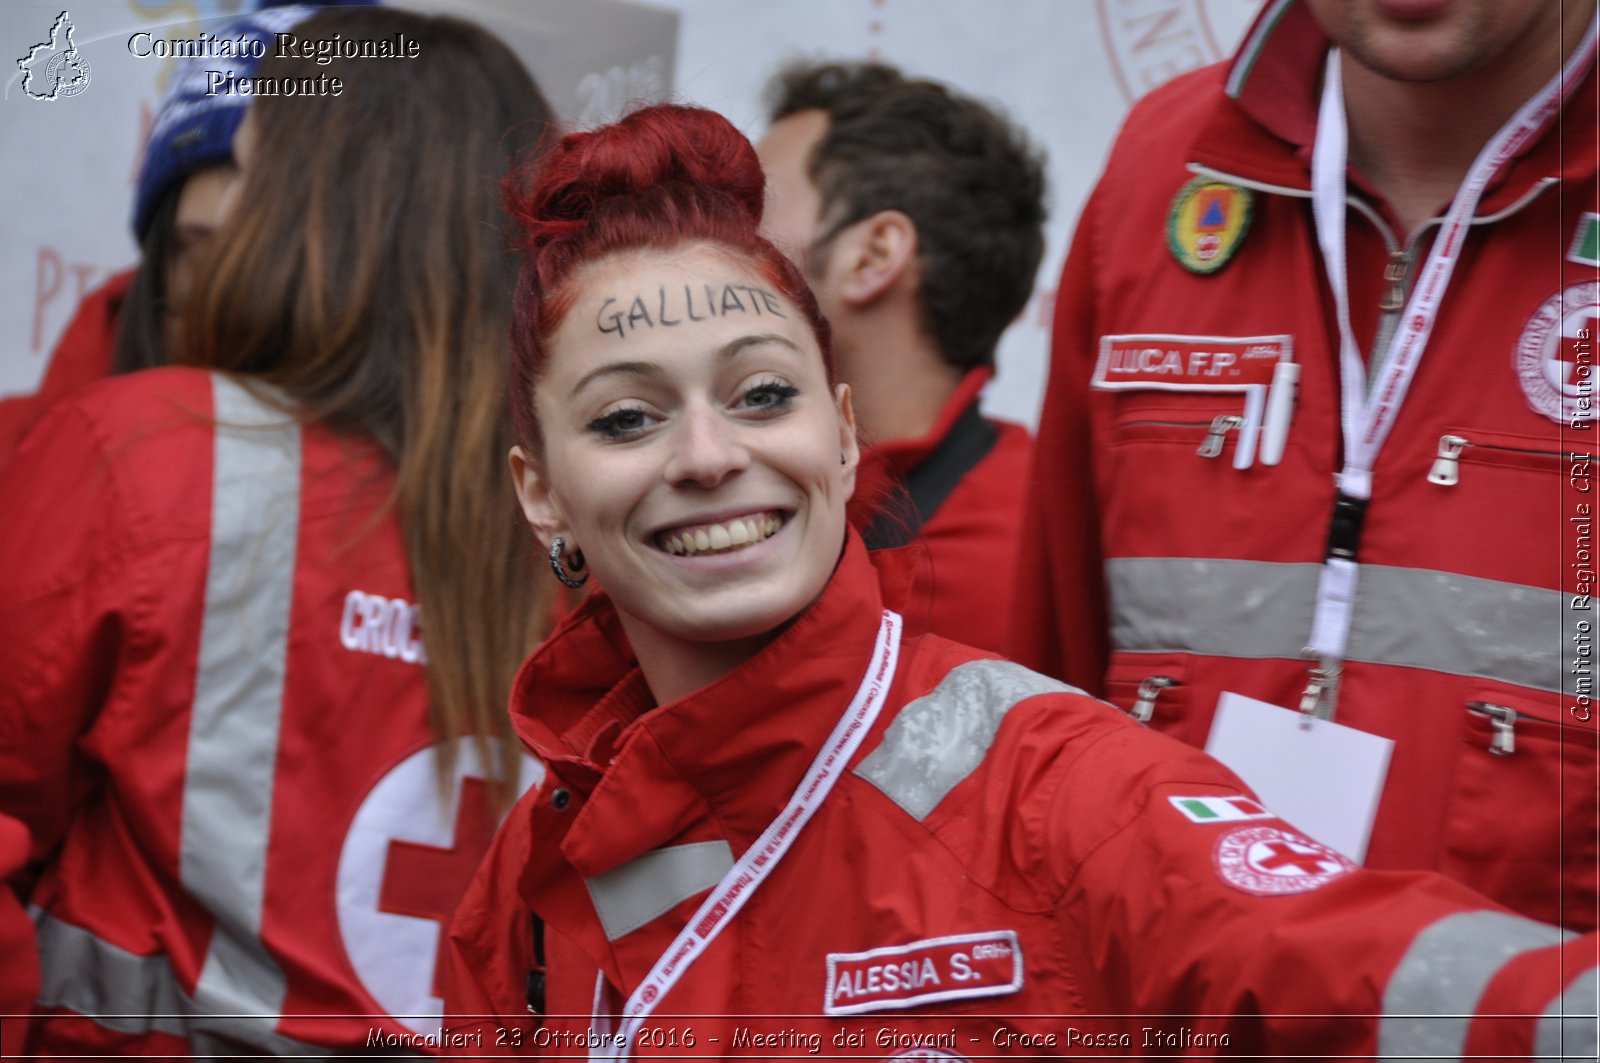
x=1244, y=451
x=1280, y=411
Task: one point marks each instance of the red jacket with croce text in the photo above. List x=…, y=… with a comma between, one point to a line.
x=1004, y=867
x=213, y=721
x=1472, y=643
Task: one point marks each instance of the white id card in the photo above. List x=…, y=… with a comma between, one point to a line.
x=1324, y=778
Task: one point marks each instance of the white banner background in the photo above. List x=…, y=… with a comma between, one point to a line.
x=1067, y=70
x=68, y=166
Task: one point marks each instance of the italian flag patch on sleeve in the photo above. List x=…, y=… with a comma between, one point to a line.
x=1220, y=809
x=1585, y=246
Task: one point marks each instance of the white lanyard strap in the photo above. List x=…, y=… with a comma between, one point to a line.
x=1367, y=416
x=730, y=895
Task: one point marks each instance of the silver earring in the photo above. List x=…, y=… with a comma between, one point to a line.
x=559, y=566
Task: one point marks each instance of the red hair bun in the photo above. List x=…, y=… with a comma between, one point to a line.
x=669, y=162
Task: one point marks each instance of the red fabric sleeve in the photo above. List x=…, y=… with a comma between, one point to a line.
x=68, y=593
x=82, y=356
x=490, y=950
x=1540, y=1004
x=1181, y=925
x=1059, y=623
x=19, y=955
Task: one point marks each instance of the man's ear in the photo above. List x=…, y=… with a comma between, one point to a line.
x=875, y=255
x=849, y=444
x=539, y=509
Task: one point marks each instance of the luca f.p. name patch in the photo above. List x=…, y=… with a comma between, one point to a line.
x=1169, y=362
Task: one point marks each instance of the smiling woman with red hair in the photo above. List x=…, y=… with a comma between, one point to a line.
x=768, y=810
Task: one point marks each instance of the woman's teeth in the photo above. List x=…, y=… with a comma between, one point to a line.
x=717, y=538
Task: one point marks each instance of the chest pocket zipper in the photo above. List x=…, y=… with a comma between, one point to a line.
x=1144, y=704
x=1446, y=470
x=1503, y=719
x=1216, y=431
x=1221, y=425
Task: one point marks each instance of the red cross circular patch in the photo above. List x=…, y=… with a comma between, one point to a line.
x=1270, y=862
x=1555, y=358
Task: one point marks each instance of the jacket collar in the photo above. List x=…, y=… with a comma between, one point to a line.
x=903, y=455
x=1262, y=130
x=732, y=751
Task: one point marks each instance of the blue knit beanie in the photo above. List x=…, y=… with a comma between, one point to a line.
x=193, y=130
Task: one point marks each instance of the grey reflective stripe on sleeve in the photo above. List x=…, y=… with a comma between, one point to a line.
x=630, y=896
x=123, y=992
x=1568, y=1027
x=1440, y=621
x=1434, y=992
x=238, y=704
x=938, y=739
x=135, y=994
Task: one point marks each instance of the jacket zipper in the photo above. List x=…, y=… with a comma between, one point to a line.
x=1503, y=719
x=1216, y=430
x=1221, y=425
x=1144, y=703
x=1396, y=281
x=1394, y=276
x=1446, y=470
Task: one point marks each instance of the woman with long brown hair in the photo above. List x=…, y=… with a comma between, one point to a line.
x=129, y=322
x=260, y=613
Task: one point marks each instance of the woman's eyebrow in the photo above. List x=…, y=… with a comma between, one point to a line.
x=732, y=349
x=735, y=346
x=643, y=369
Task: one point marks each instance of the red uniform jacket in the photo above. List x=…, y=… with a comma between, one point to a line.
x=1005, y=867
x=960, y=500
x=213, y=719
x=19, y=973
x=82, y=356
x=1474, y=610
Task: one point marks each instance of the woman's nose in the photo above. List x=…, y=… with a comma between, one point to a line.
x=705, y=449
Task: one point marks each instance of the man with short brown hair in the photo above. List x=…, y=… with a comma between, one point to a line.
x=916, y=214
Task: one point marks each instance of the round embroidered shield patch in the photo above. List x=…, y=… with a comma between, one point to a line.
x=1271, y=862
x=1207, y=222
x=1554, y=358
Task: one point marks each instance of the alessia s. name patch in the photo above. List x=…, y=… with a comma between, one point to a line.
x=957, y=967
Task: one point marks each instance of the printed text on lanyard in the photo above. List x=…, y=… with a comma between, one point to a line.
x=1367, y=415
x=729, y=895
